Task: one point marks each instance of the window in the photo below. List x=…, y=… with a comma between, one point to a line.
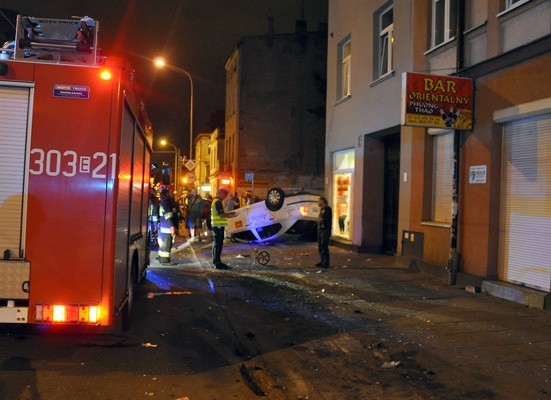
x=476, y=12
x=384, y=21
x=444, y=19
x=514, y=3
x=345, y=54
x=343, y=186
x=442, y=178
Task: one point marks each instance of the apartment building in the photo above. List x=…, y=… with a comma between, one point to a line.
x=275, y=111
x=392, y=185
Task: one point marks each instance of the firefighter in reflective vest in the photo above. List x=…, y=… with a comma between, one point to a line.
x=219, y=220
x=167, y=229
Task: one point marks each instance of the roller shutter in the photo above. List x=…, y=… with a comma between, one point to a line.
x=525, y=220
x=442, y=178
x=14, y=117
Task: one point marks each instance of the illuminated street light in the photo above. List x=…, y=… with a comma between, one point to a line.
x=160, y=62
x=163, y=142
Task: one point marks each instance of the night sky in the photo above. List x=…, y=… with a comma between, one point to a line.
x=195, y=35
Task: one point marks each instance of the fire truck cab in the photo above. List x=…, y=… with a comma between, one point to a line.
x=75, y=147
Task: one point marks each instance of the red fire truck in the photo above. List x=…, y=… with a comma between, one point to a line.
x=75, y=146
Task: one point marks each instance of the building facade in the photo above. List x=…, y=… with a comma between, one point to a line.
x=200, y=177
x=275, y=111
x=217, y=175
x=393, y=185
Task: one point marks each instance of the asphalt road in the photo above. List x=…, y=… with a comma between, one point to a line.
x=282, y=331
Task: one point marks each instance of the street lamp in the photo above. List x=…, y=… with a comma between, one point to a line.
x=163, y=142
x=161, y=63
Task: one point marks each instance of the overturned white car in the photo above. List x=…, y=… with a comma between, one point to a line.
x=282, y=215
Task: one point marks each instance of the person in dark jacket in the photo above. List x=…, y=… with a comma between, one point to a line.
x=325, y=222
x=167, y=230
x=176, y=213
x=194, y=215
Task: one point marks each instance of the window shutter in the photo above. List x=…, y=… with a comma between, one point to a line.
x=14, y=109
x=525, y=213
x=442, y=179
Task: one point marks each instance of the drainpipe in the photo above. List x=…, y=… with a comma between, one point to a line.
x=453, y=260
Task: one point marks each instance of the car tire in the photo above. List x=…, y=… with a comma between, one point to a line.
x=274, y=199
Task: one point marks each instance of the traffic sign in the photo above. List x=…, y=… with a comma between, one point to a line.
x=190, y=165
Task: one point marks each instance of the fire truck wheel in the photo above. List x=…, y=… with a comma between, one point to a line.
x=127, y=310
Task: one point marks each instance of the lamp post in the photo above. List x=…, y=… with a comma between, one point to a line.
x=176, y=166
x=161, y=63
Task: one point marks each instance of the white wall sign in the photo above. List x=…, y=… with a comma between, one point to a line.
x=477, y=174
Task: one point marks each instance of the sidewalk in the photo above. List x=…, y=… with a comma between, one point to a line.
x=469, y=340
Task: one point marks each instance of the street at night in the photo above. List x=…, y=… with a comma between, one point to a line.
x=295, y=200
x=368, y=328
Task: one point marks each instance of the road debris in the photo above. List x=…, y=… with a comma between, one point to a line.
x=390, y=364
x=151, y=295
x=148, y=345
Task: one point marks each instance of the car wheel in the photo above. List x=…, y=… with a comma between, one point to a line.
x=274, y=199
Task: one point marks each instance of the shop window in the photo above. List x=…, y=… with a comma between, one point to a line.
x=343, y=172
x=342, y=204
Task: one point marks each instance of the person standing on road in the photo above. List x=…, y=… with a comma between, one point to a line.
x=167, y=229
x=176, y=213
x=194, y=216
x=219, y=220
x=235, y=200
x=205, y=215
x=325, y=221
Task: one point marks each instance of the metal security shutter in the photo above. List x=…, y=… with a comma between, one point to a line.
x=14, y=114
x=525, y=220
x=442, y=178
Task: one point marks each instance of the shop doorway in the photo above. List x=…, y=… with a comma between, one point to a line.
x=391, y=193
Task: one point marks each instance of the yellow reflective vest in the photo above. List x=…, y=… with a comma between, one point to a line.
x=215, y=218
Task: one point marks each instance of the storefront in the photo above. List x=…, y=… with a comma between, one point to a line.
x=343, y=184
